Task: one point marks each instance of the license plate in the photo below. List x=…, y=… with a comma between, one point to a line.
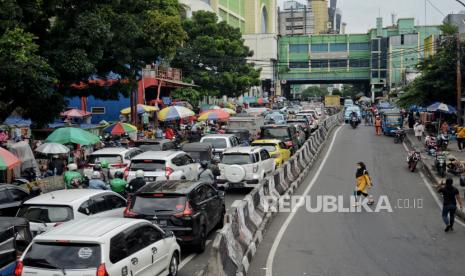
x=236, y=185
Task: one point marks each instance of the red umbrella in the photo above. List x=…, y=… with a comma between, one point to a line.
x=75, y=113
x=8, y=160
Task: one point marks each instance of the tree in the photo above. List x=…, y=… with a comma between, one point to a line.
x=337, y=92
x=26, y=79
x=189, y=94
x=314, y=91
x=82, y=39
x=215, y=58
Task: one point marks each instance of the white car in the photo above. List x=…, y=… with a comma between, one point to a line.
x=163, y=165
x=220, y=142
x=244, y=167
x=102, y=247
x=52, y=209
x=118, y=159
x=313, y=117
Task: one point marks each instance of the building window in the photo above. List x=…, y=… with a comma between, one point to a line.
x=294, y=19
x=98, y=110
x=298, y=64
x=359, y=63
x=338, y=47
x=319, y=63
x=374, y=74
x=319, y=48
x=359, y=46
x=298, y=48
x=333, y=63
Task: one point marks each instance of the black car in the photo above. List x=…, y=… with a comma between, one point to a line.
x=190, y=209
x=11, y=198
x=242, y=134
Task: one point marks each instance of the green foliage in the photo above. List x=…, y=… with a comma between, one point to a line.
x=214, y=57
x=337, y=92
x=187, y=94
x=350, y=90
x=314, y=91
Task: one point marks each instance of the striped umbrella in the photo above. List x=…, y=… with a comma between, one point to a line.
x=214, y=115
x=171, y=113
x=141, y=108
x=8, y=160
x=442, y=107
x=120, y=128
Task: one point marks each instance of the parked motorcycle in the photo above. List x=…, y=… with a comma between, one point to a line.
x=455, y=166
x=399, y=135
x=412, y=160
x=443, y=141
x=440, y=163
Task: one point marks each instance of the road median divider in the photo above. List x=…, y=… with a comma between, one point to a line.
x=246, y=221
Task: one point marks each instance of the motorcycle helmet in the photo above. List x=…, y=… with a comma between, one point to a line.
x=72, y=167
x=119, y=174
x=97, y=167
x=104, y=164
x=204, y=164
x=96, y=175
x=140, y=173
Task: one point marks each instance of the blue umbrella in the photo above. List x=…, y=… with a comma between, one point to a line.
x=442, y=107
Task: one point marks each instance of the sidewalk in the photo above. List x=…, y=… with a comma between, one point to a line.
x=428, y=163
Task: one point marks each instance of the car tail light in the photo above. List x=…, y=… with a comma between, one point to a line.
x=168, y=172
x=58, y=224
x=19, y=268
x=126, y=173
x=255, y=168
x=187, y=212
x=119, y=166
x=102, y=270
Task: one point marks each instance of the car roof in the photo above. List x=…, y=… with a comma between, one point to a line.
x=170, y=186
x=218, y=136
x=115, y=150
x=245, y=150
x=275, y=126
x=88, y=229
x=64, y=197
x=196, y=146
x=267, y=141
x=151, y=154
x=4, y=185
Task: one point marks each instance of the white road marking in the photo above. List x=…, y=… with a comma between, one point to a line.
x=190, y=257
x=430, y=189
x=271, y=255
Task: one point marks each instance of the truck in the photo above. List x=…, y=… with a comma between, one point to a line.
x=333, y=101
x=252, y=123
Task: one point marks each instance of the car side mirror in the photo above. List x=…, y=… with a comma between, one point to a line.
x=168, y=234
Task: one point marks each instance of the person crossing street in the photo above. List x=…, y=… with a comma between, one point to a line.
x=451, y=197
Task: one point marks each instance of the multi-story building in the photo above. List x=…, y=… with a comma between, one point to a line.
x=456, y=20
x=295, y=19
x=321, y=17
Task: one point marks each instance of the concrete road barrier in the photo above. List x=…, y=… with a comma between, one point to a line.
x=246, y=221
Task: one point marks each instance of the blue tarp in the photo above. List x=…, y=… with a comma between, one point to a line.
x=17, y=121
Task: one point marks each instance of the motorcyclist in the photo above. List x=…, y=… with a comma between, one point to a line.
x=137, y=183
x=118, y=184
x=205, y=174
x=73, y=179
x=105, y=171
x=96, y=182
x=98, y=168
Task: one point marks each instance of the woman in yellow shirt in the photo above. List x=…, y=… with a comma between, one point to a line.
x=363, y=182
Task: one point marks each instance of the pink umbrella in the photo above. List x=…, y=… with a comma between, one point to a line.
x=75, y=113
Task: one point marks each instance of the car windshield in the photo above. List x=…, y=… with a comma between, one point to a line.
x=154, y=147
x=46, y=213
x=268, y=147
x=217, y=143
x=111, y=159
x=63, y=255
x=275, y=117
x=149, y=205
x=237, y=159
x=148, y=165
x=276, y=132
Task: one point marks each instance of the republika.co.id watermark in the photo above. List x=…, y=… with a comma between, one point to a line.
x=339, y=204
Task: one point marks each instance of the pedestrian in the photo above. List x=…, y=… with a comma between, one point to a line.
x=450, y=198
x=378, y=125
x=411, y=120
x=363, y=183
x=96, y=183
x=419, y=129
x=57, y=166
x=460, y=130
x=169, y=133
x=444, y=127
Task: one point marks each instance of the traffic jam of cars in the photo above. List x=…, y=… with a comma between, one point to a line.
x=173, y=200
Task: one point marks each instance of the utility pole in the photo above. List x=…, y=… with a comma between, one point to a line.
x=459, y=81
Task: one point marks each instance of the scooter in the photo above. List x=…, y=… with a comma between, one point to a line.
x=455, y=166
x=399, y=135
x=354, y=122
x=440, y=163
x=412, y=160
x=443, y=141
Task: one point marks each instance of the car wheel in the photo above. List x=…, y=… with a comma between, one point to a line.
x=200, y=247
x=173, y=268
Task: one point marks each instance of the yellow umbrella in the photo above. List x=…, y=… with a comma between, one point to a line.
x=141, y=108
x=229, y=110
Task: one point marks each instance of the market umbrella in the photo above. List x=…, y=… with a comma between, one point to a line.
x=442, y=107
x=75, y=113
x=67, y=135
x=262, y=100
x=229, y=110
x=141, y=108
x=8, y=160
x=120, y=129
x=171, y=113
x=52, y=148
x=214, y=115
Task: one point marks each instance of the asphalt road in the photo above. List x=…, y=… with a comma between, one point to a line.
x=407, y=241
x=191, y=263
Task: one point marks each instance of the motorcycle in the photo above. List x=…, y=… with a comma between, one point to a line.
x=455, y=166
x=443, y=141
x=431, y=145
x=354, y=122
x=440, y=163
x=412, y=160
x=399, y=135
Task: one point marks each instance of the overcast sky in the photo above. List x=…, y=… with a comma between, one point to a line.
x=360, y=15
